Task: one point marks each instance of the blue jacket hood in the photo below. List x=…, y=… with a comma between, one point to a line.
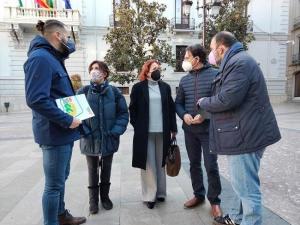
x=39, y=42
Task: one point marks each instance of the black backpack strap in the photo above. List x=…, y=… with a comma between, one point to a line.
x=85, y=129
x=117, y=93
x=86, y=90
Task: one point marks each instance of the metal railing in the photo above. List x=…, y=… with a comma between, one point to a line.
x=183, y=23
x=296, y=59
x=31, y=15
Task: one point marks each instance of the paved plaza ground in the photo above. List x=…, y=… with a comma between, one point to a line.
x=21, y=180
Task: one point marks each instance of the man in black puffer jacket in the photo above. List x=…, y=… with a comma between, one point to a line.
x=197, y=84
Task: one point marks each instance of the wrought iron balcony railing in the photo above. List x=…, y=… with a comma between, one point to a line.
x=296, y=59
x=183, y=23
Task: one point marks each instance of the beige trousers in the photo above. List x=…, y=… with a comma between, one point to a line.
x=154, y=177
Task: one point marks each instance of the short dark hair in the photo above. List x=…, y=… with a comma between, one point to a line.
x=197, y=50
x=225, y=38
x=102, y=66
x=49, y=26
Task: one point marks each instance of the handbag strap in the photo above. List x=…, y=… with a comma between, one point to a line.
x=174, y=141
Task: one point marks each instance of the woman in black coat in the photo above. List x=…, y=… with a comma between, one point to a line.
x=152, y=114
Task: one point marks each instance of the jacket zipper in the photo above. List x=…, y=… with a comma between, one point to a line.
x=196, y=94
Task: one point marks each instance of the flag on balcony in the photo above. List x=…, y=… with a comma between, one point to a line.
x=67, y=4
x=42, y=4
x=50, y=3
x=20, y=3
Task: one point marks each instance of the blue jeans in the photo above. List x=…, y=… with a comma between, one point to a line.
x=245, y=182
x=56, y=163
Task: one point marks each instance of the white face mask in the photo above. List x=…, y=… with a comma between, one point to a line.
x=97, y=76
x=187, y=66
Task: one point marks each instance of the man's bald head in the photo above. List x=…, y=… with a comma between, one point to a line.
x=220, y=44
x=225, y=38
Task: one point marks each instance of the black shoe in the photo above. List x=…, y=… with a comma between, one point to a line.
x=150, y=205
x=107, y=203
x=220, y=220
x=161, y=199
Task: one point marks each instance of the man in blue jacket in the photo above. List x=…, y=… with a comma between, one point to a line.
x=46, y=79
x=242, y=124
x=194, y=85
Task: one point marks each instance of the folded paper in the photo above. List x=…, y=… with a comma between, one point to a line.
x=76, y=106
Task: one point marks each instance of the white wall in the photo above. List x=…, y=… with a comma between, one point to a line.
x=5, y=51
x=94, y=48
x=270, y=16
x=269, y=55
x=96, y=13
x=103, y=9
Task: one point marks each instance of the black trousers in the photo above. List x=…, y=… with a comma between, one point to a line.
x=96, y=165
x=196, y=143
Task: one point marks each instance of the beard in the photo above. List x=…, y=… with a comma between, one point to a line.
x=63, y=48
x=218, y=60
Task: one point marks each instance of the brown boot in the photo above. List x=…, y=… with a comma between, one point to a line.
x=216, y=211
x=194, y=202
x=67, y=219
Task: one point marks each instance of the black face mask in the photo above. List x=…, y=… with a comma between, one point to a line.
x=67, y=48
x=155, y=75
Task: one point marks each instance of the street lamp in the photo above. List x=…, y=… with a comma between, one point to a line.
x=213, y=5
x=215, y=8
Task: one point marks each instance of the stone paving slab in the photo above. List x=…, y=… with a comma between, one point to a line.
x=21, y=180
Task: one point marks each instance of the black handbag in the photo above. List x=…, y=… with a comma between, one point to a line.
x=173, y=160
